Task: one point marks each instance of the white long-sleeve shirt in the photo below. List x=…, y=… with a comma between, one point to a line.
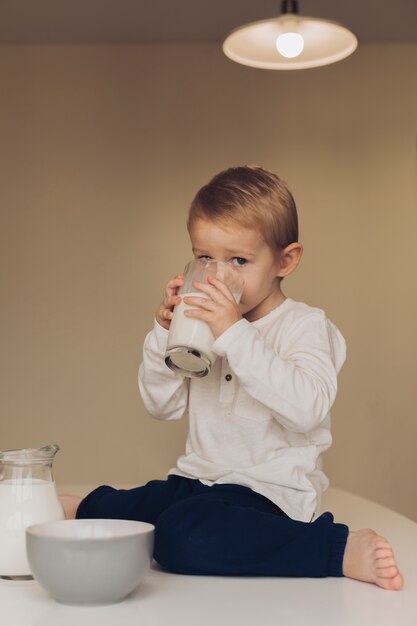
x=261, y=417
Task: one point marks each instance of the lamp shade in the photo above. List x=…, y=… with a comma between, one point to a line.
x=256, y=44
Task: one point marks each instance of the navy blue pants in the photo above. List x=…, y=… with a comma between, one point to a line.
x=223, y=529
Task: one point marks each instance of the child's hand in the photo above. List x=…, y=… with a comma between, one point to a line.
x=164, y=313
x=219, y=310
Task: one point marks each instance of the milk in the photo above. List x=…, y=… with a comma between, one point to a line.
x=23, y=503
x=190, y=333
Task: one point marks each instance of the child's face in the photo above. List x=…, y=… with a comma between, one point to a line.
x=247, y=251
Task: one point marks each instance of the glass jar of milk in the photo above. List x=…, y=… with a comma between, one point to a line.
x=189, y=348
x=27, y=496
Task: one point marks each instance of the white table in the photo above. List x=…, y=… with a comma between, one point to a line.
x=169, y=599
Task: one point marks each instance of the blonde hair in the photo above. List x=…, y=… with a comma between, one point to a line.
x=252, y=197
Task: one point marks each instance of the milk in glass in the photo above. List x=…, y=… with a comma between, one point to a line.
x=190, y=341
x=192, y=333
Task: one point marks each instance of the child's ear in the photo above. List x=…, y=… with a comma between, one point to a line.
x=289, y=259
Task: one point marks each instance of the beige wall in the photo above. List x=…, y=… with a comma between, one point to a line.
x=101, y=150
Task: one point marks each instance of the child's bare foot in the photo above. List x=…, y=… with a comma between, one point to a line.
x=369, y=557
x=70, y=505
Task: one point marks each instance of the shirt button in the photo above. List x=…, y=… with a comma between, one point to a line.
x=228, y=377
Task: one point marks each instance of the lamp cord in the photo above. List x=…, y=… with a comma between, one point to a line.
x=289, y=6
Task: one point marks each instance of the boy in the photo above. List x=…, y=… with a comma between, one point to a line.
x=243, y=499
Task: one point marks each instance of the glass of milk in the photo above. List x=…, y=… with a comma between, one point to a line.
x=189, y=348
x=27, y=496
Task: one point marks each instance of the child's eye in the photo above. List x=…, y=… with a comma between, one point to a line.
x=238, y=260
x=204, y=256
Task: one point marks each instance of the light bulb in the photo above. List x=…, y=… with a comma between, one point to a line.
x=290, y=45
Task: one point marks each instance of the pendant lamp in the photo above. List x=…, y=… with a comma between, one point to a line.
x=290, y=41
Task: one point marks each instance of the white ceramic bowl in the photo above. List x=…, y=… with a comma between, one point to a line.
x=90, y=561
